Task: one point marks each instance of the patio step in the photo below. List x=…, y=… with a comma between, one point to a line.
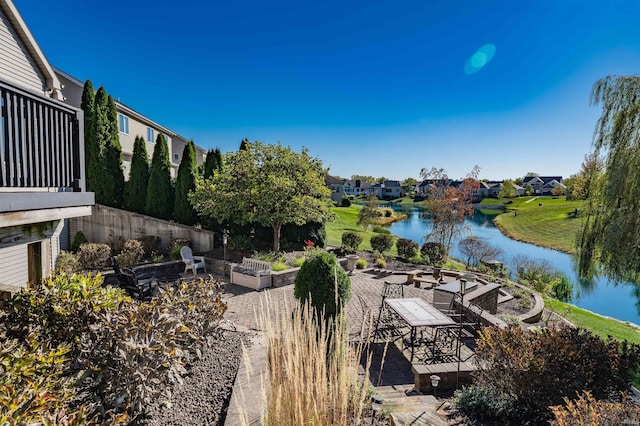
x=410, y=408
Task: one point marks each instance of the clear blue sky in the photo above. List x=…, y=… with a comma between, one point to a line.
x=370, y=87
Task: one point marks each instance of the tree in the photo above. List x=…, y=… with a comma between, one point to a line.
x=557, y=190
x=159, y=202
x=528, y=190
x=578, y=186
x=532, y=174
x=363, y=178
x=244, y=144
x=409, y=184
x=135, y=194
x=91, y=148
x=212, y=162
x=477, y=250
x=271, y=185
x=449, y=204
x=610, y=234
x=369, y=213
x=507, y=190
x=185, y=183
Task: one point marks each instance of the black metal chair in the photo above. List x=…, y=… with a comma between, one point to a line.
x=138, y=287
x=388, y=324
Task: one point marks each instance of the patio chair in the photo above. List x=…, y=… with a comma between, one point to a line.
x=192, y=262
x=367, y=318
x=441, y=344
x=388, y=324
x=138, y=287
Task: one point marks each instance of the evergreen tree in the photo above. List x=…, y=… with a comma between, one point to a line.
x=102, y=184
x=218, y=157
x=209, y=164
x=244, y=144
x=113, y=157
x=91, y=149
x=159, y=202
x=135, y=195
x=186, y=182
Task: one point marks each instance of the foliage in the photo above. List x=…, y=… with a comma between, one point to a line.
x=381, y=230
x=381, y=262
x=298, y=261
x=212, y=162
x=279, y=266
x=135, y=194
x=610, y=235
x=361, y=264
x=67, y=263
x=381, y=242
x=369, y=214
x=433, y=252
x=150, y=244
x=271, y=185
x=538, y=370
x=557, y=190
x=407, y=249
x=484, y=402
x=409, y=184
x=528, y=189
x=449, y=204
x=186, y=182
x=562, y=288
x=345, y=202
x=579, y=185
x=323, y=283
x=132, y=253
x=507, y=190
x=476, y=250
x=115, y=243
x=350, y=241
x=241, y=242
x=540, y=275
x=587, y=411
x=92, y=152
x=93, y=256
x=78, y=240
x=160, y=193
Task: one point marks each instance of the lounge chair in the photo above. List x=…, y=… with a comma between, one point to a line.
x=192, y=262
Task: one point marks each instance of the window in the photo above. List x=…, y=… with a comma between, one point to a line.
x=123, y=123
x=150, y=135
x=176, y=157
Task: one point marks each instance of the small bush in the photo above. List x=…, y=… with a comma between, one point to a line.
x=67, y=263
x=434, y=253
x=174, y=254
x=132, y=253
x=78, y=240
x=381, y=263
x=587, y=411
x=381, y=230
x=156, y=257
x=381, y=242
x=361, y=264
x=179, y=242
x=298, y=261
x=345, y=202
x=94, y=256
x=116, y=243
x=407, y=249
x=150, y=244
x=387, y=212
x=279, y=266
x=350, y=241
x=317, y=280
x=562, y=288
x=241, y=242
x=483, y=403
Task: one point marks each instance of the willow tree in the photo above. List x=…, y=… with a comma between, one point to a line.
x=271, y=185
x=610, y=234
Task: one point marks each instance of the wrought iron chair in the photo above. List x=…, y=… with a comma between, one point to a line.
x=138, y=287
x=441, y=344
x=388, y=324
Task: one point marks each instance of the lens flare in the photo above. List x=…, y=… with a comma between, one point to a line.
x=480, y=59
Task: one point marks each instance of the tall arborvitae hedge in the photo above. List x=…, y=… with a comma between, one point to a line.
x=212, y=162
x=135, y=194
x=113, y=157
x=91, y=149
x=159, y=201
x=185, y=182
x=101, y=134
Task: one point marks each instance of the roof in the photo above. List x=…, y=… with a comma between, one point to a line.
x=545, y=179
x=331, y=180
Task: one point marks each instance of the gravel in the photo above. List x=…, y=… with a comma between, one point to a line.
x=203, y=398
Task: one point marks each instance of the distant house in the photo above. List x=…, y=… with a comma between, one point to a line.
x=335, y=184
x=131, y=123
x=387, y=190
x=543, y=185
x=42, y=173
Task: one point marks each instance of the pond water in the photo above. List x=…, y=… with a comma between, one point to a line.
x=619, y=301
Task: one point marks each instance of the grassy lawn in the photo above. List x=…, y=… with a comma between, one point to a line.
x=346, y=221
x=546, y=225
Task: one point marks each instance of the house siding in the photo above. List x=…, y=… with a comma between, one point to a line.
x=14, y=265
x=16, y=63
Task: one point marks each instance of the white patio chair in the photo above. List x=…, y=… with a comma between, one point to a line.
x=190, y=261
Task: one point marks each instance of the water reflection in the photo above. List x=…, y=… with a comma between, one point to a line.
x=617, y=300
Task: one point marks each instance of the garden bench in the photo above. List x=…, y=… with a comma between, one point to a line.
x=252, y=273
x=426, y=280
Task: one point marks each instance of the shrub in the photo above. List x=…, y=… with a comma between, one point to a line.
x=361, y=264
x=562, y=288
x=317, y=281
x=539, y=370
x=483, y=403
x=179, y=242
x=94, y=256
x=387, y=212
x=278, y=266
x=434, y=253
x=381, y=263
x=345, y=202
x=298, y=261
x=381, y=242
x=67, y=263
x=407, y=249
x=587, y=411
x=381, y=230
x=241, y=242
x=350, y=241
x=116, y=243
x=132, y=253
x=78, y=240
x=150, y=244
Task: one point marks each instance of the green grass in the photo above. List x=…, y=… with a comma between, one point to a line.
x=546, y=225
x=347, y=217
x=597, y=324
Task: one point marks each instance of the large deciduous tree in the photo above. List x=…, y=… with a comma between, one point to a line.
x=159, y=201
x=369, y=213
x=135, y=195
x=507, y=190
x=477, y=250
x=267, y=184
x=610, y=234
x=185, y=183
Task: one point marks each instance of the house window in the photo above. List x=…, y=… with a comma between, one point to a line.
x=176, y=157
x=123, y=123
x=150, y=135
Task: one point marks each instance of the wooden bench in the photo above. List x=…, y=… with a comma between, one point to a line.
x=432, y=282
x=252, y=273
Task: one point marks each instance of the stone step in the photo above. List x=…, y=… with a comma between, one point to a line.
x=409, y=407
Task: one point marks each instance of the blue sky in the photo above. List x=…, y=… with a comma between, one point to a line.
x=370, y=87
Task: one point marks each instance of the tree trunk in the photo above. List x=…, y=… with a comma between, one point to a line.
x=276, y=236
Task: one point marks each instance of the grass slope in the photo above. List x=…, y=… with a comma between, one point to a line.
x=347, y=217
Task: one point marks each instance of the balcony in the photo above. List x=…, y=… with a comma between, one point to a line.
x=41, y=159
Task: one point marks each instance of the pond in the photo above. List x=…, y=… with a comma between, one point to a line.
x=620, y=301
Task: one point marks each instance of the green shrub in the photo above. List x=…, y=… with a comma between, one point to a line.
x=381, y=230
x=67, y=262
x=562, y=288
x=94, y=256
x=381, y=263
x=78, y=240
x=345, y=202
x=434, y=253
x=179, y=242
x=241, y=242
x=350, y=241
x=270, y=256
x=381, y=242
x=387, y=212
x=407, y=249
x=361, y=264
x=279, y=266
x=298, y=261
x=484, y=403
x=317, y=280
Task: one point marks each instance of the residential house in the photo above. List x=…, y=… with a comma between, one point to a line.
x=543, y=185
x=42, y=177
x=387, y=190
x=335, y=184
x=131, y=123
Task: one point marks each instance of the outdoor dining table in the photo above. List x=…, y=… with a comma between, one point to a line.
x=418, y=313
